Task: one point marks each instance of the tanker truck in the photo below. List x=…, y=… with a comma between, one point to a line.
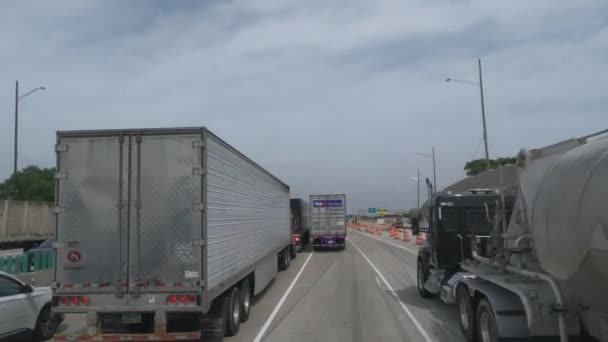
x=529, y=263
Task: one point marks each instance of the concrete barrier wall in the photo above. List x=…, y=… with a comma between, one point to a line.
x=26, y=220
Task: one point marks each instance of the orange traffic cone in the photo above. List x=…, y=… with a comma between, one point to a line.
x=419, y=239
x=406, y=235
x=395, y=233
x=379, y=231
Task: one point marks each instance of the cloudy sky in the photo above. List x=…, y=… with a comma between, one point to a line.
x=330, y=96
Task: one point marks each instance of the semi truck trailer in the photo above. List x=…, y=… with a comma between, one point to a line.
x=529, y=264
x=163, y=234
x=328, y=221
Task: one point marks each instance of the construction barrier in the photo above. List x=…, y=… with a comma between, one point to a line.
x=406, y=235
x=419, y=239
x=31, y=261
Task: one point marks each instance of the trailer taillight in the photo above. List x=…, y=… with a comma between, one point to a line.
x=183, y=299
x=84, y=300
x=74, y=300
x=70, y=300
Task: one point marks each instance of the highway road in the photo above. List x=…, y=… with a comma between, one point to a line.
x=364, y=293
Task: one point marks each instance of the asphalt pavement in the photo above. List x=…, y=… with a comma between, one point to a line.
x=364, y=293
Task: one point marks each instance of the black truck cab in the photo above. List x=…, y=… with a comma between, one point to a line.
x=455, y=220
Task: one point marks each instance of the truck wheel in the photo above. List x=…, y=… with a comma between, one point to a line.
x=465, y=313
x=486, y=322
x=284, y=259
x=293, y=251
x=421, y=279
x=233, y=315
x=245, y=300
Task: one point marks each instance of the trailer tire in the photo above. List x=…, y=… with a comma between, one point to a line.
x=487, y=330
x=233, y=314
x=245, y=300
x=466, y=315
x=284, y=260
x=421, y=276
x=293, y=251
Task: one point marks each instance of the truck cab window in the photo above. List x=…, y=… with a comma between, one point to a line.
x=449, y=219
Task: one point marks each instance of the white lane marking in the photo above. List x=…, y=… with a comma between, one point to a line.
x=378, y=282
x=407, y=311
x=262, y=331
x=388, y=242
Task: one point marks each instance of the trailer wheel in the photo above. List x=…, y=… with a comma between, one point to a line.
x=245, y=300
x=293, y=251
x=233, y=315
x=421, y=279
x=486, y=322
x=284, y=260
x=465, y=313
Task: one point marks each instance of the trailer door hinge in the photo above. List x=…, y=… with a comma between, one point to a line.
x=59, y=210
x=61, y=148
x=197, y=171
x=200, y=243
x=61, y=175
x=198, y=206
x=197, y=144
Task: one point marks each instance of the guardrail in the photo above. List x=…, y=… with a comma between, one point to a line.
x=31, y=261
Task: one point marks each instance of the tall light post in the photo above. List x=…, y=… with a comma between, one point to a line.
x=17, y=99
x=483, y=109
x=431, y=156
x=417, y=179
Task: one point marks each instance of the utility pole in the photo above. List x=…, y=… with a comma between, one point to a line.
x=16, y=127
x=418, y=178
x=434, y=172
x=483, y=117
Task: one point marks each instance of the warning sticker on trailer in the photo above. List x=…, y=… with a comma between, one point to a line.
x=73, y=258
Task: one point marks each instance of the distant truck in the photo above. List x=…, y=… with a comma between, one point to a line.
x=328, y=221
x=163, y=234
x=25, y=224
x=300, y=224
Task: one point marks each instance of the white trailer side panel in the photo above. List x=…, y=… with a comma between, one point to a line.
x=248, y=212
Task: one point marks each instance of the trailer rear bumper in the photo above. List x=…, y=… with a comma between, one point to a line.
x=193, y=336
x=329, y=242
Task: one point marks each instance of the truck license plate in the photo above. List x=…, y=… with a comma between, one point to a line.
x=330, y=241
x=131, y=318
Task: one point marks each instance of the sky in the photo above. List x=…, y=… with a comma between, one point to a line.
x=329, y=96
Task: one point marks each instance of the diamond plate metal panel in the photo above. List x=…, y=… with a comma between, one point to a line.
x=89, y=222
x=166, y=219
x=248, y=212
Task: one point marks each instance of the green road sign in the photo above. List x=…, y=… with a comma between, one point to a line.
x=371, y=211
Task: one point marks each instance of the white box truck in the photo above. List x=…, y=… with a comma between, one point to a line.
x=328, y=221
x=163, y=234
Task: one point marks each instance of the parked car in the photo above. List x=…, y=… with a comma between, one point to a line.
x=26, y=310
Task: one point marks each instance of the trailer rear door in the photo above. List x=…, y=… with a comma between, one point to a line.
x=328, y=213
x=92, y=206
x=130, y=211
x=166, y=221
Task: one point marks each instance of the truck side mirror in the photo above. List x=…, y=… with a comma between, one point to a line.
x=415, y=226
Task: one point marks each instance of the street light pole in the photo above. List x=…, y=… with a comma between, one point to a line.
x=16, y=127
x=418, y=179
x=434, y=172
x=17, y=99
x=483, y=108
x=483, y=116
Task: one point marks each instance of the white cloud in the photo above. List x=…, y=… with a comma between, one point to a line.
x=330, y=96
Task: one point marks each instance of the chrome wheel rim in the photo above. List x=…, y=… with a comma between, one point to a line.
x=464, y=314
x=236, y=312
x=420, y=278
x=246, y=300
x=485, y=329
